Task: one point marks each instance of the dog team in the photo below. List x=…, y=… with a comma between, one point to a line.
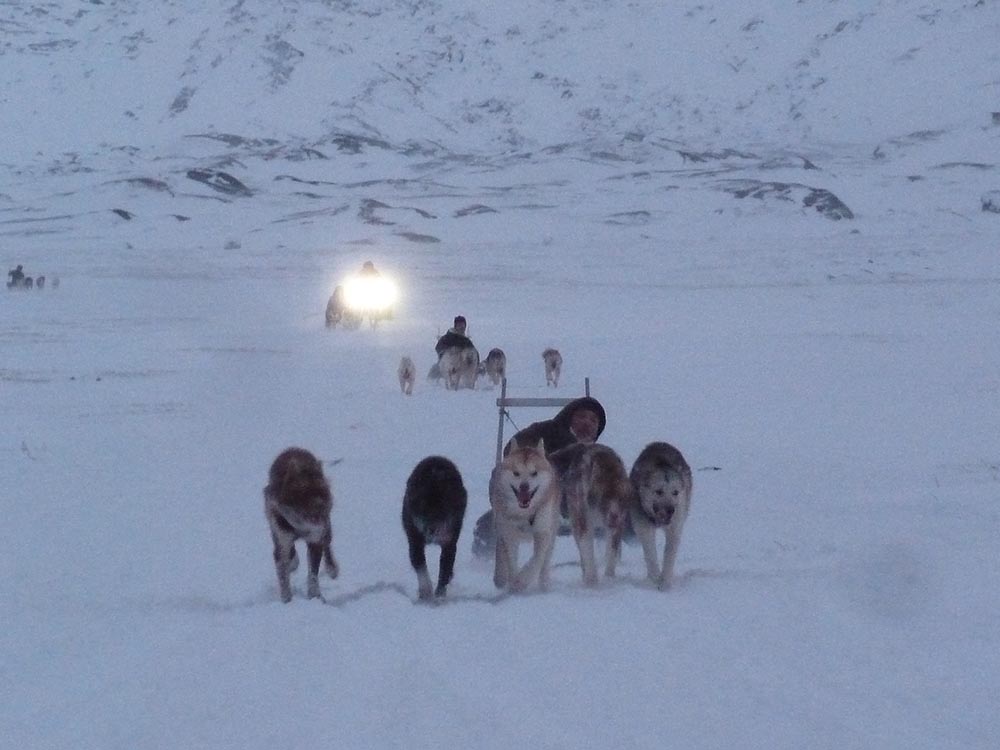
x=17, y=280
x=459, y=366
x=553, y=475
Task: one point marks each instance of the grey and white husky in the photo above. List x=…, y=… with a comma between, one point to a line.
x=524, y=495
x=297, y=504
x=553, y=366
x=598, y=494
x=496, y=365
x=662, y=484
x=459, y=366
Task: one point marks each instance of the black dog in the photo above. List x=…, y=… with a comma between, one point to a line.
x=433, y=510
x=297, y=503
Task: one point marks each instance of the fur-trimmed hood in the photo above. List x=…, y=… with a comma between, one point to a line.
x=555, y=432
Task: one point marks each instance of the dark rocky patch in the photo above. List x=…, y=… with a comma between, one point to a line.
x=478, y=208
x=367, y=212
x=414, y=237
x=629, y=218
x=991, y=201
x=231, y=139
x=700, y=157
x=351, y=143
x=304, y=182
x=123, y=213
x=369, y=207
x=221, y=181
x=823, y=201
x=149, y=182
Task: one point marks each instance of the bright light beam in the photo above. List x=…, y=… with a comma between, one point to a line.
x=370, y=293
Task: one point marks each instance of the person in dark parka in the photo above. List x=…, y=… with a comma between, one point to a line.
x=455, y=336
x=580, y=421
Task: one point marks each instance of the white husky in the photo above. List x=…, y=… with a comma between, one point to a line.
x=524, y=494
x=407, y=375
x=553, y=366
x=662, y=484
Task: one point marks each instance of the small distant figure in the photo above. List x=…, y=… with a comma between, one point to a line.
x=553, y=366
x=40, y=283
x=495, y=365
x=458, y=358
x=335, y=307
x=337, y=311
x=407, y=375
x=368, y=269
x=456, y=336
x=29, y=282
x=55, y=282
x=16, y=277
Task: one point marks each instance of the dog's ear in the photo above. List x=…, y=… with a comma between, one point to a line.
x=541, y=446
x=513, y=445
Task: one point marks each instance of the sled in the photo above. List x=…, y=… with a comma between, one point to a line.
x=505, y=402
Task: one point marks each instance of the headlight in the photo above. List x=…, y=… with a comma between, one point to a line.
x=370, y=293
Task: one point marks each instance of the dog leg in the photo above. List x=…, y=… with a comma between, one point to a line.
x=549, y=545
x=284, y=547
x=332, y=566
x=446, y=568
x=315, y=558
x=645, y=532
x=418, y=560
x=585, y=543
x=533, y=568
x=613, y=551
x=501, y=573
x=670, y=551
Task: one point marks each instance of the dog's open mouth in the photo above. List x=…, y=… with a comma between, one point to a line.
x=524, y=495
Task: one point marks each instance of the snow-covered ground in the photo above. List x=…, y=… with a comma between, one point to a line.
x=636, y=185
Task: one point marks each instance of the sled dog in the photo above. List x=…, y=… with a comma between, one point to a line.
x=297, y=504
x=524, y=495
x=433, y=510
x=496, y=365
x=407, y=375
x=553, y=366
x=662, y=484
x=459, y=366
x=598, y=494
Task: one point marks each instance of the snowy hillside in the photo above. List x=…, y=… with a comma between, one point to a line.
x=765, y=231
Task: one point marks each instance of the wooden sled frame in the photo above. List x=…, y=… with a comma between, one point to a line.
x=503, y=403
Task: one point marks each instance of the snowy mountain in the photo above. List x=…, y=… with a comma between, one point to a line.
x=766, y=232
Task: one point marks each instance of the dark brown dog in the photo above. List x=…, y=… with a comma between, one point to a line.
x=297, y=503
x=433, y=510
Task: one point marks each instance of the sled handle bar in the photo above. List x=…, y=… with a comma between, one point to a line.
x=503, y=402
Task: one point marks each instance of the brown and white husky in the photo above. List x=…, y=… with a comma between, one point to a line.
x=524, y=494
x=297, y=504
x=598, y=495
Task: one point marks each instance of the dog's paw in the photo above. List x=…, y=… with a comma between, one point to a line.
x=519, y=584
